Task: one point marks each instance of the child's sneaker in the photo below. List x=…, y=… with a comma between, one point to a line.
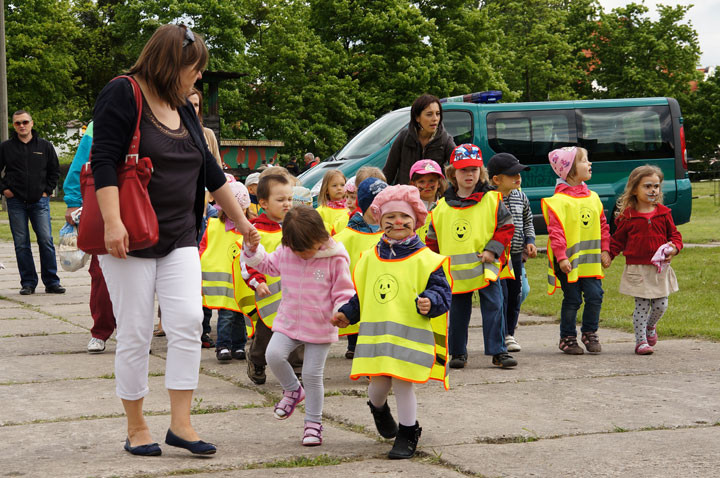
x=312, y=436
x=223, y=355
x=592, y=342
x=238, y=354
x=285, y=407
x=511, y=344
x=207, y=341
x=643, y=348
x=504, y=360
x=458, y=361
x=349, y=354
x=652, y=336
x=256, y=373
x=570, y=346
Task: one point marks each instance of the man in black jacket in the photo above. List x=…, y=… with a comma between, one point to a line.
x=30, y=172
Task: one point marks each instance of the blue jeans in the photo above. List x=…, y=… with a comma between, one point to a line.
x=38, y=213
x=230, y=330
x=493, y=321
x=512, y=293
x=591, y=289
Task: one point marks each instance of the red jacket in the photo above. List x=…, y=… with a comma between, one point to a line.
x=253, y=277
x=638, y=236
x=555, y=228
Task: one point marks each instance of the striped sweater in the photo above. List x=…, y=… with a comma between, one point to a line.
x=519, y=205
x=312, y=290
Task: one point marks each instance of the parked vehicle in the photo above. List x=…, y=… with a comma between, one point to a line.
x=619, y=135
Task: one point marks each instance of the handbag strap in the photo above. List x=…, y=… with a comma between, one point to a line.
x=134, y=149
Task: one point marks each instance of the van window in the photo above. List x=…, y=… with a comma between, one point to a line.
x=376, y=135
x=459, y=124
x=615, y=134
x=531, y=135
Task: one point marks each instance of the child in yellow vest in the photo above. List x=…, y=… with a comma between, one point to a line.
x=472, y=226
x=578, y=245
x=331, y=199
x=427, y=176
x=402, y=299
x=218, y=248
x=362, y=233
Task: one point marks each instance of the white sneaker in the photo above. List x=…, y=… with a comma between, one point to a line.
x=511, y=344
x=96, y=346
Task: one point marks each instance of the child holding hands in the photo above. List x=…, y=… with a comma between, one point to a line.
x=316, y=282
x=578, y=247
x=648, y=238
x=402, y=299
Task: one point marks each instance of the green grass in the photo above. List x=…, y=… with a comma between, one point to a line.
x=704, y=225
x=692, y=311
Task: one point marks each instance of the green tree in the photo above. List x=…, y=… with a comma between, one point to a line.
x=638, y=57
x=702, y=119
x=41, y=66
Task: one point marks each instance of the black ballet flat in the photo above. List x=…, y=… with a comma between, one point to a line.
x=151, y=449
x=198, y=447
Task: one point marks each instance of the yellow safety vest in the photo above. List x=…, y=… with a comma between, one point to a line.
x=216, y=263
x=341, y=223
x=330, y=215
x=462, y=234
x=355, y=243
x=580, y=219
x=244, y=295
x=394, y=340
x=265, y=308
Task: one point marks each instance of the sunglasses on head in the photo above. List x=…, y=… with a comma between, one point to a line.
x=23, y=123
x=189, y=36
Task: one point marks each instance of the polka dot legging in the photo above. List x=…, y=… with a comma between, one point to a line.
x=647, y=314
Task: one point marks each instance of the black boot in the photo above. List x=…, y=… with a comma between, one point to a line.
x=384, y=421
x=405, y=442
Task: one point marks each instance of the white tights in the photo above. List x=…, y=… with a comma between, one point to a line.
x=404, y=397
x=647, y=314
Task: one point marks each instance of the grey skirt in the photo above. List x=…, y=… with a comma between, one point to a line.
x=644, y=281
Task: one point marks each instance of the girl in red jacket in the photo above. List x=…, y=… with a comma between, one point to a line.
x=648, y=238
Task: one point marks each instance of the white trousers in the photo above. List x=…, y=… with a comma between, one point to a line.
x=132, y=284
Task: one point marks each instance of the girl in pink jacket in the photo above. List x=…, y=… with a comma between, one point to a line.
x=316, y=281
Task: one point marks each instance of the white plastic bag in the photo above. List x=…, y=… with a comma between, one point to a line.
x=71, y=258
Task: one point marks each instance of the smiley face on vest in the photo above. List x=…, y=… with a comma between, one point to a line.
x=385, y=288
x=461, y=230
x=585, y=218
x=233, y=251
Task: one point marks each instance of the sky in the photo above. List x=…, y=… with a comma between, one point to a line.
x=704, y=17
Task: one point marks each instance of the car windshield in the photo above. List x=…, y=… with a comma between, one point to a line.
x=376, y=135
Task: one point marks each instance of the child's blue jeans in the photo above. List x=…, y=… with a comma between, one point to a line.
x=589, y=288
x=493, y=320
x=230, y=330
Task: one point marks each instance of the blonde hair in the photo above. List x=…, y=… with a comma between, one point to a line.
x=580, y=153
x=329, y=176
x=368, y=172
x=628, y=198
x=450, y=175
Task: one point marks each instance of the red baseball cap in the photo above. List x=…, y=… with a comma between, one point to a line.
x=466, y=156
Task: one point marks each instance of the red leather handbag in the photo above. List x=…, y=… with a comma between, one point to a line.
x=136, y=211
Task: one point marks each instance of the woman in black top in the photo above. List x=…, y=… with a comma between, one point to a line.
x=425, y=138
x=169, y=65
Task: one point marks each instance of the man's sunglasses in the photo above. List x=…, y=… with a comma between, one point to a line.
x=23, y=123
x=189, y=36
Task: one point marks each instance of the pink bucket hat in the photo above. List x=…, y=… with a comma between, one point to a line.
x=350, y=186
x=426, y=166
x=400, y=198
x=241, y=194
x=562, y=160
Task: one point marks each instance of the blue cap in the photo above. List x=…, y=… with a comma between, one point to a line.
x=367, y=190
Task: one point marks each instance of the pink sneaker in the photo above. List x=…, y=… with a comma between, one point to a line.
x=285, y=407
x=652, y=336
x=643, y=348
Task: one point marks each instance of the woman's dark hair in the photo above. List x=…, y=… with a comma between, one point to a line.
x=303, y=228
x=168, y=51
x=419, y=105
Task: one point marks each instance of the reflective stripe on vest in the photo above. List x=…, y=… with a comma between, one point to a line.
x=462, y=234
x=355, y=243
x=393, y=339
x=216, y=263
x=580, y=220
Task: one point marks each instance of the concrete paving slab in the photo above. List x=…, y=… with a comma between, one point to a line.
x=41, y=368
x=554, y=408
x=41, y=299
x=73, y=399
x=372, y=468
x=37, y=326
x=78, y=314
x=53, y=344
x=665, y=453
x=95, y=447
x=17, y=311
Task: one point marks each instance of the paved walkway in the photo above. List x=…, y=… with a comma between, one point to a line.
x=614, y=414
